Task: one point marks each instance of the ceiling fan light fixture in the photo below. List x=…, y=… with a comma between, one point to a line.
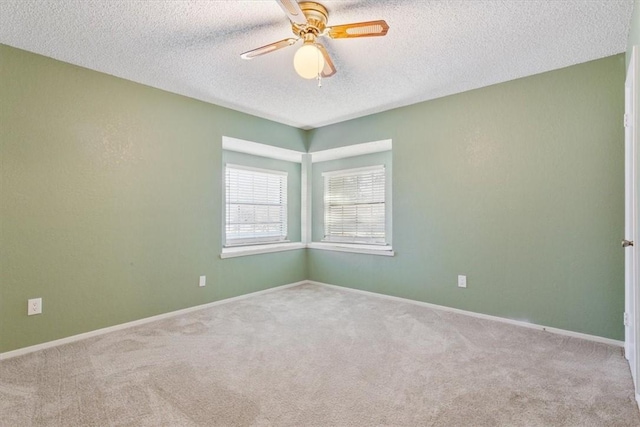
x=308, y=61
x=308, y=22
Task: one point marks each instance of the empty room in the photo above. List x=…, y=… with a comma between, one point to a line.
x=333, y=213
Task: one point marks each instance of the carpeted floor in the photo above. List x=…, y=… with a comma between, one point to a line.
x=318, y=356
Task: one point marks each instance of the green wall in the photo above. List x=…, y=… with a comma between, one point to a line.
x=110, y=201
x=520, y=186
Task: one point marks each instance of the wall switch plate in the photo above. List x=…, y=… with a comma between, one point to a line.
x=34, y=306
x=462, y=281
x=203, y=281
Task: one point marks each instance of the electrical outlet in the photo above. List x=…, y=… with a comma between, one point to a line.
x=34, y=306
x=203, y=281
x=462, y=281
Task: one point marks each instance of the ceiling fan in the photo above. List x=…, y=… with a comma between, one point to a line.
x=308, y=22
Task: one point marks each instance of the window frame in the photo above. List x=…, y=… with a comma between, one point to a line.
x=356, y=241
x=306, y=160
x=255, y=241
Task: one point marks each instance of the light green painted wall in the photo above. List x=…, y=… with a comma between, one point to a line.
x=294, y=189
x=317, y=189
x=110, y=201
x=520, y=186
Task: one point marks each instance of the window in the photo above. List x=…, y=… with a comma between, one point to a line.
x=256, y=205
x=354, y=206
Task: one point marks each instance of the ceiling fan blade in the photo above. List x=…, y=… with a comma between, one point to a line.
x=293, y=11
x=358, y=29
x=268, y=48
x=329, y=69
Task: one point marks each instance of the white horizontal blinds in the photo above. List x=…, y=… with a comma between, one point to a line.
x=256, y=205
x=355, y=205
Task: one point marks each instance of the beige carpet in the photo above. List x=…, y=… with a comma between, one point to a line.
x=317, y=356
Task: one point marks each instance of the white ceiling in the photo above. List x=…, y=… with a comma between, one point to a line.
x=433, y=48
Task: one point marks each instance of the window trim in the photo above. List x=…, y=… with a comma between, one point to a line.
x=262, y=150
x=238, y=251
x=254, y=169
x=306, y=159
x=352, y=171
x=357, y=248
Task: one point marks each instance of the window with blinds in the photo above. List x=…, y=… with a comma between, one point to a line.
x=256, y=205
x=354, y=205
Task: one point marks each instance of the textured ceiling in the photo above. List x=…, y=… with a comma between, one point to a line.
x=433, y=48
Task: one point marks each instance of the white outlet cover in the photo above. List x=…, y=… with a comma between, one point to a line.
x=34, y=306
x=203, y=281
x=462, y=281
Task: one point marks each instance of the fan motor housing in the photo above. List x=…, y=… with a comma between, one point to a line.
x=317, y=17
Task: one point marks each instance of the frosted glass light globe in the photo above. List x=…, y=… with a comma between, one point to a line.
x=308, y=61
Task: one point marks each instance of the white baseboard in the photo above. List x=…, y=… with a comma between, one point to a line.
x=74, y=338
x=482, y=316
x=102, y=331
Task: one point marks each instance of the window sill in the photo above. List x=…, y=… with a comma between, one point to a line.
x=239, y=251
x=259, y=249
x=358, y=249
